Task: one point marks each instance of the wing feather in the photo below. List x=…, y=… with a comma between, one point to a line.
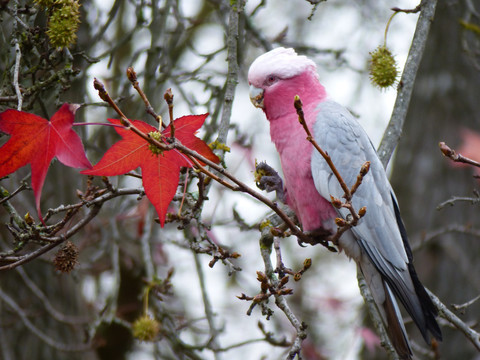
x=377, y=233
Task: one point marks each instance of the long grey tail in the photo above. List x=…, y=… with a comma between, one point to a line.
x=424, y=317
x=394, y=325
x=388, y=308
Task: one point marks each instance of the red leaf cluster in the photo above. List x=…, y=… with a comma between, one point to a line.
x=160, y=172
x=36, y=141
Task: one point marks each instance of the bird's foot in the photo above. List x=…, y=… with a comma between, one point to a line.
x=320, y=236
x=268, y=179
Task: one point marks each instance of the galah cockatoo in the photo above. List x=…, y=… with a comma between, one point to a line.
x=379, y=243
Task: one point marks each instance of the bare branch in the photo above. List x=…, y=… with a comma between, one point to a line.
x=469, y=333
x=455, y=228
x=236, y=8
x=57, y=315
x=18, y=58
x=55, y=241
x=41, y=333
x=207, y=306
x=266, y=241
x=454, y=156
x=455, y=199
x=462, y=307
x=132, y=76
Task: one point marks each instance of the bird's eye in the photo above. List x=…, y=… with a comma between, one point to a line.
x=271, y=79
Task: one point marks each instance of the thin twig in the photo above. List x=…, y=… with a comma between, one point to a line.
x=55, y=241
x=408, y=11
x=102, y=92
x=168, y=96
x=458, y=228
x=4, y=99
x=207, y=306
x=132, y=76
x=41, y=333
x=454, y=156
x=54, y=313
x=17, y=219
x=20, y=188
x=462, y=307
x=280, y=300
x=454, y=199
x=443, y=311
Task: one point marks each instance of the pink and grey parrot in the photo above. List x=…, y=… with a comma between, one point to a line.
x=379, y=243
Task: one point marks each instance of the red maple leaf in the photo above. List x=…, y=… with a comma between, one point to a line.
x=36, y=141
x=160, y=172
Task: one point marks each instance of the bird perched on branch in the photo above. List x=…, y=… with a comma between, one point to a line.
x=378, y=243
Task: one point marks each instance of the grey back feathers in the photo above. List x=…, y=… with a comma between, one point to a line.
x=380, y=234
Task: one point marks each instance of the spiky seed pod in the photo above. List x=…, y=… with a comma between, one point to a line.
x=383, y=68
x=156, y=135
x=63, y=23
x=145, y=328
x=66, y=258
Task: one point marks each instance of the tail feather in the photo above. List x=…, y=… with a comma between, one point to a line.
x=394, y=325
x=426, y=322
x=387, y=307
x=428, y=308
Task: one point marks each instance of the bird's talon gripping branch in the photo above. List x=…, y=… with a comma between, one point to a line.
x=266, y=178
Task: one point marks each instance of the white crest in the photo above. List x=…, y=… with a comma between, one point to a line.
x=281, y=62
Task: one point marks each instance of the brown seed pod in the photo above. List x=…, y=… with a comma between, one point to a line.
x=66, y=258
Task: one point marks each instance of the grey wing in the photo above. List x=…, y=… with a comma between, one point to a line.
x=377, y=233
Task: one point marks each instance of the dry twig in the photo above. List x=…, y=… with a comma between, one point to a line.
x=454, y=156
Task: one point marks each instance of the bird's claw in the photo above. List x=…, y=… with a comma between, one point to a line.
x=267, y=179
x=320, y=236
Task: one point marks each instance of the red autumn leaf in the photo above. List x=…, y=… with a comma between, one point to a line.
x=160, y=172
x=36, y=141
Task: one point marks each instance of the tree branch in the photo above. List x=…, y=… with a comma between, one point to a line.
x=456, y=157
x=40, y=333
x=18, y=58
x=469, y=333
x=236, y=8
x=394, y=129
